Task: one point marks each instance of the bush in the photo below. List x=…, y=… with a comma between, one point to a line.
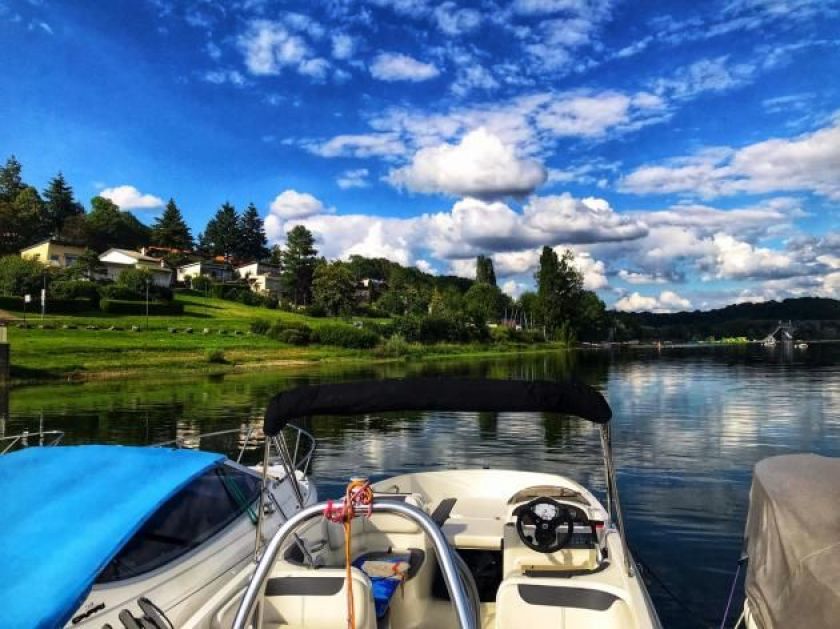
x=260, y=326
x=346, y=336
x=19, y=276
x=503, y=334
x=279, y=329
x=394, y=347
x=114, y=306
x=201, y=283
x=294, y=337
x=74, y=289
x=216, y=356
x=119, y=292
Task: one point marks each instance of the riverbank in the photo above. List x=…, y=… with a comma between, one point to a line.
x=213, y=336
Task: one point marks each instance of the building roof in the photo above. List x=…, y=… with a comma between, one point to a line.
x=131, y=254
x=54, y=241
x=222, y=265
x=64, y=520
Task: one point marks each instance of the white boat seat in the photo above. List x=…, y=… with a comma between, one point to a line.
x=317, y=599
x=522, y=600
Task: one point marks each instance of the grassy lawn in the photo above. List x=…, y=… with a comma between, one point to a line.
x=80, y=353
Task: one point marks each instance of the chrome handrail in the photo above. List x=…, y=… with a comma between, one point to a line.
x=305, y=445
x=25, y=436
x=463, y=607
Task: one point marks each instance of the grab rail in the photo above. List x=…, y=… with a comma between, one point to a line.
x=300, y=458
x=463, y=607
x=25, y=436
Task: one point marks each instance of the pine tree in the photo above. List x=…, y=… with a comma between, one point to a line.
x=59, y=204
x=11, y=183
x=221, y=236
x=298, y=261
x=171, y=230
x=484, y=273
x=252, y=241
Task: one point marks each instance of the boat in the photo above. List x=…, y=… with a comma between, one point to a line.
x=792, y=544
x=465, y=548
x=801, y=345
x=125, y=536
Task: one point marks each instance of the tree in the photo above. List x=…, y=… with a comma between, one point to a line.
x=298, y=261
x=19, y=276
x=87, y=265
x=559, y=289
x=221, y=235
x=529, y=304
x=485, y=302
x=11, y=182
x=252, y=240
x=107, y=226
x=484, y=273
x=170, y=229
x=59, y=204
x=334, y=288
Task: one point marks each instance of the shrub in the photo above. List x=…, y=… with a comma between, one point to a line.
x=503, y=334
x=394, y=347
x=272, y=303
x=201, y=283
x=260, y=326
x=216, y=355
x=279, y=328
x=315, y=310
x=19, y=276
x=74, y=289
x=346, y=336
x=117, y=291
x=294, y=337
x=114, y=306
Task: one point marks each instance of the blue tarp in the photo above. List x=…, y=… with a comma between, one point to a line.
x=66, y=511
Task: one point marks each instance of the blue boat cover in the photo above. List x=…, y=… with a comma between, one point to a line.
x=66, y=511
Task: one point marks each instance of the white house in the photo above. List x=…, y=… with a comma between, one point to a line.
x=116, y=261
x=257, y=268
x=261, y=277
x=219, y=271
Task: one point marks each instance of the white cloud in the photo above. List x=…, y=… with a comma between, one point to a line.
x=706, y=75
x=270, y=47
x=221, y=76
x=810, y=162
x=668, y=301
x=356, y=178
x=737, y=259
x=343, y=46
x=363, y=145
x=130, y=198
x=635, y=277
x=388, y=66
x=481, y=165
x=454, y=21
x=291, y=204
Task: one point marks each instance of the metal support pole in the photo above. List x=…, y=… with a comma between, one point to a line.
x=613, y=502
x=463, y=607
x=264, y=489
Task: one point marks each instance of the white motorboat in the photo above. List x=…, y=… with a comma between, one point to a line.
x=136, y=537
x=792, y=543
x=462, y=548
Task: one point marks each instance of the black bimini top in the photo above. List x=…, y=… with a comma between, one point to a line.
x=436, y=394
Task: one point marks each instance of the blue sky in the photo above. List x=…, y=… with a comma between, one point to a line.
x=688, y=152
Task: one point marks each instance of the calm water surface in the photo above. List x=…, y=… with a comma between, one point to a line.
x=689, y=425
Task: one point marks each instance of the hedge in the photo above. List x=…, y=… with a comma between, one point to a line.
x=280, y=331
x=114, y=306
x=345, y=336
x=54, y=306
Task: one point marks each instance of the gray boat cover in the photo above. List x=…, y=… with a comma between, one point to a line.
x=793, y=542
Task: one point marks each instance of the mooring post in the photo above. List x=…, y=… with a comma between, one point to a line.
x=5, y=355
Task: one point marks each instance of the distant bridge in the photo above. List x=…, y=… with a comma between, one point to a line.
x=784, y=332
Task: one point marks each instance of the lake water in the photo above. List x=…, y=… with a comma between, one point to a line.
x=689, y=424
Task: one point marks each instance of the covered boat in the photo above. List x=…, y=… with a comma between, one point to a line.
x=128, y=536
x=793, y=543
x=461, y=548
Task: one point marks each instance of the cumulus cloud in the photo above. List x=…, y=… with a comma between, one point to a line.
x=667, y=301
x=737, y=259
x=389, y=66
x=291, y=204
x=270, y=47
x=809, y=162
x=636, y=277
x=130, y=198
x=343, y=46
x=355, y=178
x=480, y=165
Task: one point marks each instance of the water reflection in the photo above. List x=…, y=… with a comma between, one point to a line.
x=688, y=427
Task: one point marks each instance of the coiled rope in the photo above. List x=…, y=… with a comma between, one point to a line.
x=358, y=494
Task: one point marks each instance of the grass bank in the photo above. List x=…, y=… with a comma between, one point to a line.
x=212, y=336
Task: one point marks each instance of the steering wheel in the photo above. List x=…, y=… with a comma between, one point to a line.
x=553, y=524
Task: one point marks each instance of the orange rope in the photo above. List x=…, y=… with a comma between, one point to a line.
x=358, y=494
